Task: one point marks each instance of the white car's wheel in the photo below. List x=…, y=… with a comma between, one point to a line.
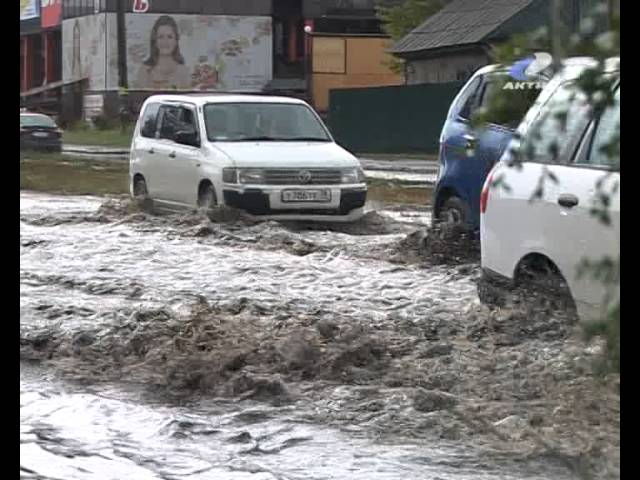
x=540, y=286
x=140, y=188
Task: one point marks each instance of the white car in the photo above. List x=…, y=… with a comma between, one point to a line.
x=270, y=156
x=525, y=240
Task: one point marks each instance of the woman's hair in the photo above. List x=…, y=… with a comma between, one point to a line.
x=163, y=21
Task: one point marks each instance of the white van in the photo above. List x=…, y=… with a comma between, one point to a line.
x=269, y=156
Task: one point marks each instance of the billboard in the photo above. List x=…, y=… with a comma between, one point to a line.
x=196, y=52
x=84, y=50
x=181, y=52
x=29, y=9
x=51, y=13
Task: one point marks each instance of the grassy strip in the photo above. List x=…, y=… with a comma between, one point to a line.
x=396, y=193
x=102, y=138
x=64, y=174
x=399, y=156
x=56, y=173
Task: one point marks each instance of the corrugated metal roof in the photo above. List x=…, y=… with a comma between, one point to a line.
x=460, y=22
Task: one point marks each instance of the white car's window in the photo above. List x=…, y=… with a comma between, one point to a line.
x=556, y=132
x=262, y=121
x=149, y=123
x=605, y=147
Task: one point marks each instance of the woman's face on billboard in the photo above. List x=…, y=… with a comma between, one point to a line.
x=166, y=40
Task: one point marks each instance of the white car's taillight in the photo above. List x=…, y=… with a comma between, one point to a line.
x=484, y=195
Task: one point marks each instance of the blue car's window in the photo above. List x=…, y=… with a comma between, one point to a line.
x=463, y=106
x=502, y=104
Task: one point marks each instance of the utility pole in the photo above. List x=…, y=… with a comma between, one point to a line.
x=556, y=32
x=123, y=83
x=612, y=12
x=122, y=44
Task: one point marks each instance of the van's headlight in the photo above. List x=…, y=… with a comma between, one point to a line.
x=230, y=175
x=250, y=175
x=353, y=175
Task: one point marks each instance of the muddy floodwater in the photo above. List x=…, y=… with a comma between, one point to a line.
x=173, y=347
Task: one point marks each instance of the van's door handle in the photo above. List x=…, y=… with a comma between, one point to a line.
x=172, y=155
x=568, y=200
x=151, y=151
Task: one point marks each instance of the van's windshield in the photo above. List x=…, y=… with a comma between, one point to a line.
x=237, y=122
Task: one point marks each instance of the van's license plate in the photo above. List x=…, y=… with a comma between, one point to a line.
x=299, y=195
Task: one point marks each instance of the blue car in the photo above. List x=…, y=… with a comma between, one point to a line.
x=466, y=155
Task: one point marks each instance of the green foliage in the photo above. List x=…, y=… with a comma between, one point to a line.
x=609, y=328
x=399, y=20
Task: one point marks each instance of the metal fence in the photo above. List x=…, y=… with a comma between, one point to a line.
x=400, y=119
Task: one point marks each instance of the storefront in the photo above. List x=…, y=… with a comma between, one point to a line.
x=40, y=52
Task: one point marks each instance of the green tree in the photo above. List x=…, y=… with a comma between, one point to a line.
x=399, y=20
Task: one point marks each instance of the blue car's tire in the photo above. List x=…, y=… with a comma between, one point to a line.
x=454, y=211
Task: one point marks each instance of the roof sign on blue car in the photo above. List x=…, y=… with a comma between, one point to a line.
x=529, y=67
x=528, y=72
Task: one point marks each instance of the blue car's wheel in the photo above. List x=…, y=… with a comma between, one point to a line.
x=454, y=211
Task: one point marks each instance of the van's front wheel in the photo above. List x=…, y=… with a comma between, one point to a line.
x=207, y=199
x=140, y=188
x=141, y=194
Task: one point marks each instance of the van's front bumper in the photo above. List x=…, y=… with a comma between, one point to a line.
x=346, y=203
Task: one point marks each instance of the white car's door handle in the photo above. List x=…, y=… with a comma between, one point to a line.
x=568, y=200
x=151, y=151
x=172, y=155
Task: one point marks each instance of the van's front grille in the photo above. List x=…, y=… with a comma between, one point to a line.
x=302, y=176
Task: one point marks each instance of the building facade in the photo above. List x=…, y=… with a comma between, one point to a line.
x=40, y=42
x=185, y=45
x=452, y=44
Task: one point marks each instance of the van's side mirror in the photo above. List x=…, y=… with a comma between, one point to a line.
x=187, y=136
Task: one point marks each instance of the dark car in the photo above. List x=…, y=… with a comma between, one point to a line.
x=468, y=154
x=39, y=132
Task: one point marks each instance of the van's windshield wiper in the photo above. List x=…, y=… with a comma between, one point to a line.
x=260, y=138
x=305, y=139
x=266, y=138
